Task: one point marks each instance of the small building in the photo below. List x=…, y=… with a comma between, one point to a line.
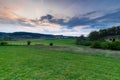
x=112, y=38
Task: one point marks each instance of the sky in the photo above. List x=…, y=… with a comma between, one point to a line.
x=58, y=17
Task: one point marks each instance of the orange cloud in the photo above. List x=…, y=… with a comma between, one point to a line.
x=6, y=14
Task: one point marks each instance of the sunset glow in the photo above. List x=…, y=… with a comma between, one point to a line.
x=65, y=17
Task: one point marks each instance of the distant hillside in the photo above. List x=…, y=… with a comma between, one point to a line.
x=28, y=35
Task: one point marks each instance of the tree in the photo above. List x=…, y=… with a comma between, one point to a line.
x=28, y=42
x=99, y=35
x=80, y=40
x=93, y=36
x=51, y=44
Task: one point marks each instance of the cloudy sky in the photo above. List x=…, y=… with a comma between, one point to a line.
x=58, y=17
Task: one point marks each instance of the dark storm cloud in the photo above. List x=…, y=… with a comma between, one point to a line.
x=85, y=19
x=112, y=17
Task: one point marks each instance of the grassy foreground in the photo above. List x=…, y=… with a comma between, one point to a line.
x=28, y=63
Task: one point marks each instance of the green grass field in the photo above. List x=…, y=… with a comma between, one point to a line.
x=36, y=63
x=57, y=42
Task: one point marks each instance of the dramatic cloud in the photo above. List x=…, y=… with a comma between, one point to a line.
x=66, y=17
x=111, y=17
x=7, y=16
x=95, y=18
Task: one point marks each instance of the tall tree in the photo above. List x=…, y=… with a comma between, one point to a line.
x=94, y=35
x=80, y=39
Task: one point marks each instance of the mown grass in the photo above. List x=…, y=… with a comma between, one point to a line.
x=28, y=63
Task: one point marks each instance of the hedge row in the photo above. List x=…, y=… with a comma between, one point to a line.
x=106, y=45
x=3, y=43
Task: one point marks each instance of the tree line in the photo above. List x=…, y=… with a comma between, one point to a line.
x=96, y=39
x=98, y=35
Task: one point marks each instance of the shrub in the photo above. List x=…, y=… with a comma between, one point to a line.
x=87, y=43
x=51, y=44
x=106, y=45
x=96, y=44
x=3, y=43
x=84, y=42
x=115, y=45
x=28, y=42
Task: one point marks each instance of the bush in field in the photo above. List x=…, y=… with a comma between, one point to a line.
x=28, y=42
x=51, y=44
x=96, y=44
x=3, y=43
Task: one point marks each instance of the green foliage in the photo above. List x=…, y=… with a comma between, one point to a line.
x=115, y=45
x=86, y=43
x=96, y=44
x=28, y=42
x=83, y=41
x=93, y=36
x=51, y=44
x=80, y=40
x=106, y=45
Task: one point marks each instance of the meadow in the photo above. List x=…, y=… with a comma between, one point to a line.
x=63, y=61
x=57, y=42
